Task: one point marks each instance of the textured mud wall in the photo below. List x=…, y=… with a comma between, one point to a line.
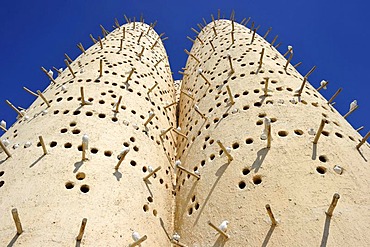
x=294, y=176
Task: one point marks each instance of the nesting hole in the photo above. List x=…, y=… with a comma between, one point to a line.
x=257, y=179
x=321, y=169
x=80, y=176
x=84, y=188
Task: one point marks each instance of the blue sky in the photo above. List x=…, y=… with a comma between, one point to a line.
x=333, y=35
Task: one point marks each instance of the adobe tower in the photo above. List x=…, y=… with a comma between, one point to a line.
x=245, y=152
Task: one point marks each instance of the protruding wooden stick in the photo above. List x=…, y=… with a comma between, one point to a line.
x=278, y=45
x=350, y=111
x=191, y=97
x=59, y=71
x=5, y=149
x=29, y=91
x=68, y=58
x=141, y=35
x=122, y=157
x=104, y=32
x=116, y=110
x=101, y=43
x=266, y=86
x=269, y=212
x=335, y=95
x=151, y=116
x=43, y=98
x=298, y=64
x=363, y=140
x=247, y=21
x=139, y=241
x=164, y=132
x=322, y=124
x=93, y=39
x=188, y=172
x=253, y=35
x=17, y=221
x=273, y=41
x=269, y=136
x=196, y=108
x=323, y=85
x=101, y=68
x=14, y=108
x=47, y=74
x=154, y=44
x=232, y=37
x=252, y=27
x=179, y=133
x=229, y=157
x=69, y=67
x=152, y=88
x=160, y=60
x=165, y=38
x=302, y=86
x=214, y=31
x=231, y=97
x=142, y=52
x=189, y=54
x=129, y=76
x=82, y=229
x=194, y=30
x=43, y=144
x=3, y=128
x=150, y=174
x=80, y=46
x=182, y=73
x=218, y=230
x=288, y=61
x=201, y=41
x=218, y=14
x=200, y=72
x=117, y=23
x=230, y=63
x=200, y=26
x=267, y=33
x=359, y=129
x=121, y=45
x=310, y=72
x=123, y=32
x=331, y=208
x=127, y=20
x=211, y=43
x=261, y=57
x=169, y=105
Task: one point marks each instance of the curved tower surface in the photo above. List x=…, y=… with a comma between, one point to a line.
x=244, y=151
x=294, y=175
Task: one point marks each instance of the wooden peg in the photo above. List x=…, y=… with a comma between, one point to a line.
x=122, y=156
x=101, y=68
x=288, y=61
x=287, y=52
x=323, y=85
x=266, y=86
x=200, y=26
x=142, y=52
x=43, y=145
x=189, y=54
x=231, y=98
x=218, y=14
x=160, y=60
x=278, y=45
x=300, y=90
x=188, y=172
x=117, y=23
x=116, y=110
x=43, y=98
x=198, y=40
x=298, y=64
x=154, y=24
x=359, y=129
x=139, y=241
x=165, y=38
x=253, y=35
x=269, y=136
x=82, y=229
x=5, y=130
x=231, y=64
x=191, y=97
x=214, y=31
x=213, y=19
x=200, y=72
x=196, y=108
x=129, y=76
x=273, y=41
x=267, y=32
x=127, y=20
x=247, y=21
x=363, y=140
x=29, y=91
x=47, y=74
x=310, y=72
x=70, y=68
x=68, y=58
x=218, y=230
x=134, y=23
x=123, y=32
x=59, y=71
x=194, y=30
x=244, y=20
x=261, y=57
x=80, y=46
x=169, y=105
x=101, y=43
x=269, y=212
x=164, y=132
x=179, y=133
x=350, y=111
x=322, y=124
x=229, y=157
x=17, y=221
x=182, y=73
x=331, y=208
x=154, y=44
x=121, y=45
x=151, y=173
x=104, y=32
x=252, y=27
x=5, y=149
x=20, y=114
x=151, y=116
x=210, y=42
x=141, y=35
x=93, y=39
x=258, y=27
x=151, y=89
x=335, y=95
x=232, y=37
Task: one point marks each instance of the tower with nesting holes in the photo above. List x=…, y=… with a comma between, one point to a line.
x=244, y=151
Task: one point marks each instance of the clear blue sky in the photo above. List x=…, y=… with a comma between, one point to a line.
x=333, y=35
